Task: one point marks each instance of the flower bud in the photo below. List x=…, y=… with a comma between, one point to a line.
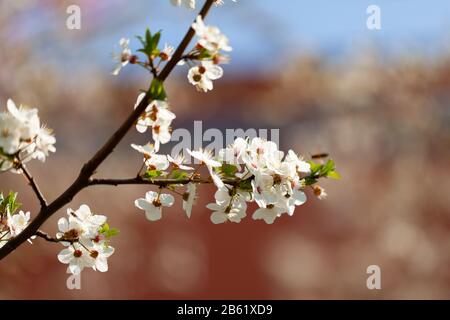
x=319, y=192
x=133, y=59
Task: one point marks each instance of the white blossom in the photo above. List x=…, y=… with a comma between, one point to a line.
x=22, y=137
x=167, y=52
x=210, y=37
x=268, y=214
x=161, y=133
x=190, y=4
x=233, y=153
x=298, y=162
x=153, y=203
x=69, y=228
x=18, y=222
x=202, y=76
x=189, y=198
x=264, y=191
x=157, y=162
x=44, y=144
x=81, y=223
x=152, y=160
x=221, y=2
x=147, y=150
x=179, y=162
x=123, y=57
x=85, y=247
x=10, y=136
x=289, y=199
x=214, y=42
x=231, y=196
x=91, y=222
x=205, y=157
x=158, y=117
x=224, y=212
x=100, y=252
x=77, y=257
x=28, y=119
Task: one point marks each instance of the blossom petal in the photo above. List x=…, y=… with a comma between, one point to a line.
x=167, y=200
x=218, y=217
x=65, y=255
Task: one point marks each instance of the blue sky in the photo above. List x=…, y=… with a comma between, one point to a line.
x=259, y=29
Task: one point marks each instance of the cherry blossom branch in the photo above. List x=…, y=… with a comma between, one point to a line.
x=157, y=182
x=165, y=182
x=33, y=185
x=84, y=178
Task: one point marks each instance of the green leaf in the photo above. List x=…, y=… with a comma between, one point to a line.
x=315, y=167
x=141, y=40
x=328, y=167
x=152, y=174
x=157, y=91
x=334, y=175
x=155, y=41
x=148, y=37
x=104, y=228
x=9, y=203
x=323, y=170
x=310, y=180
x=229, y=170
x=108, y=232
x=111, y=233
x=246, y=185
x=179, y=175
x=204, y=54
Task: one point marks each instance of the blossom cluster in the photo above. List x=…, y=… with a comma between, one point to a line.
x=208, y=52
x=22, y=137
x=158, y=118
x=204, y=59
x=12, y=223
x=154, y=56
x=249, y=170
x=86, y=238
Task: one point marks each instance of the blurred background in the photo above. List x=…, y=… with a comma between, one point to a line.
x=377, y=101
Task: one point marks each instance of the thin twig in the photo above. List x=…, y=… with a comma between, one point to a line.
x=49, y=238
x=33, y=185
x=157, y=182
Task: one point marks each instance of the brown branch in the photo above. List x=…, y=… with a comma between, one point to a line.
x=33, y=185
x=157, y=182
x=91, y=166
